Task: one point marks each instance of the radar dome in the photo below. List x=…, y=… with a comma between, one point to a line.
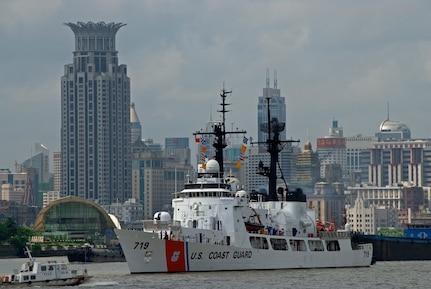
x=162, y=216
x=212, y=167
x=241, y=194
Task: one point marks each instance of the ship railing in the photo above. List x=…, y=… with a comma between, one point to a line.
x=335, y=235
x=156, y=226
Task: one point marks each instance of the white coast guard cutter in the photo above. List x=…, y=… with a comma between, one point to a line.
x=217, y=227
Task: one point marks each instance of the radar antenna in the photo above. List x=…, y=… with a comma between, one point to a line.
x=219, y=131
x=274, y=145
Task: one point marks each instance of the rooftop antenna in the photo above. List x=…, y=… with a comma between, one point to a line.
x=275, y=79
x=267, y=78
x=388, y=109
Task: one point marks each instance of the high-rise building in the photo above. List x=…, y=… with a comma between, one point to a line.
x=178, y=149
x=57, y=171
x=136, y=129
x=395, y=162
x=307, y=171
x=18, y=187
x=332, y=150
x=271, y=101
x=277, y=109
x=40, y=161
x=358, y=157
x=95, y=118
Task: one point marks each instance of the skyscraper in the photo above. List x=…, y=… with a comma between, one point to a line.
x=136, y=128
x=95, y=117
x=277, y=108
x=40, y=161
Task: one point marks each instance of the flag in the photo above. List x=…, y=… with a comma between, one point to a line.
x=243, y=148
x=197, y=139
x=238, y=165
x=203, y=141
x=244, y=140
x=241, y=157
x=203, y=149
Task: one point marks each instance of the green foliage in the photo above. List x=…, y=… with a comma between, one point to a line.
x=7, y=229
x=36, y=247
x=390, y=232
x=11, y=233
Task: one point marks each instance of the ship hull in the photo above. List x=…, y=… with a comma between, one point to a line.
x=147, y=253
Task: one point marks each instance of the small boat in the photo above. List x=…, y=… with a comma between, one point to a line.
x=46, y=273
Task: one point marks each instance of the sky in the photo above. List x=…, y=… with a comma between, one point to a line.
x=343, y=60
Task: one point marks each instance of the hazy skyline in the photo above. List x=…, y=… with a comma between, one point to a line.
x=341, y=60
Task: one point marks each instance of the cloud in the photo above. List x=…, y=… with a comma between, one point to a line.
x=17, y=16
x=334, y=59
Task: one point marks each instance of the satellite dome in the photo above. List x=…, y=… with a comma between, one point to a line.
x=162, y=216
x=212, y=167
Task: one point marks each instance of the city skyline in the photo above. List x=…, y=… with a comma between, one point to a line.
x=334, y=60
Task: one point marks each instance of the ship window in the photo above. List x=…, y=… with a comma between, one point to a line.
x=332, y=246
x=279, y=244
x=298, y=245
x=32, y=277
x=258, y=242
x=316, y=245
x=43, y=268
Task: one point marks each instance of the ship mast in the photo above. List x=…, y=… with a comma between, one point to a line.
x=219, y=131
x=274, y=145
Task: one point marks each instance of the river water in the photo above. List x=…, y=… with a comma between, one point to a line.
x=409, y=274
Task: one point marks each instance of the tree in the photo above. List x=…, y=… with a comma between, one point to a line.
x=7, y=229
x=17, y=236
x=388, y=232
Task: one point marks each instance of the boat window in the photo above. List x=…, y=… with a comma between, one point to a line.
x=316, y=245
x=332, y=245
x=25, y=278
x=32, y=277
x=43, y=268
x=298, y=245
x=258, y=242
x=63, y=267
x=279, y=244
